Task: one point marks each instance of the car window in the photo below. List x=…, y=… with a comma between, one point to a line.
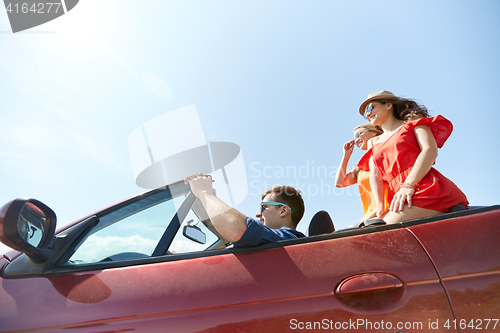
x=133, y=232
x=181, y=244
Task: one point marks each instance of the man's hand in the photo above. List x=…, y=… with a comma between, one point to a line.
x=200, y=184
x=229, y=222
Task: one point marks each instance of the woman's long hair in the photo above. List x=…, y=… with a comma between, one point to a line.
x=370, y=128
x=406, y=109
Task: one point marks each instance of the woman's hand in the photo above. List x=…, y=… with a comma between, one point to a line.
x=348, y=147
x=342, y=178
x=400, y=198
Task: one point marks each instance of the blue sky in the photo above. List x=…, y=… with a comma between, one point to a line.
x=281, y=79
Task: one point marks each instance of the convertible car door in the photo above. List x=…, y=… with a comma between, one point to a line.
x=466, y=253
x=358, y=281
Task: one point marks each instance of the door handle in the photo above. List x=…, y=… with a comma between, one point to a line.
x=367, y=282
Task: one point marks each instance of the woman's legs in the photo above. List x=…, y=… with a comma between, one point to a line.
x=409, y=214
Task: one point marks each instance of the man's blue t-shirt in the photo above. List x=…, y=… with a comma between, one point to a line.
x=257, y=233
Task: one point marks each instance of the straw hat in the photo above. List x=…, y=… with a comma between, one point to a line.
x=382, y=94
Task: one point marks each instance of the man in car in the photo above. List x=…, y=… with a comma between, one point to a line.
x=281, y=209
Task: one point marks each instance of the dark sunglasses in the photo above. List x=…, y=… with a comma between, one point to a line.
x=368, y=110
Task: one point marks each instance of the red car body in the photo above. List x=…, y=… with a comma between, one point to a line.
x=439, y=274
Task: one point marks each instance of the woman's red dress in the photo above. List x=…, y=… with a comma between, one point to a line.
x=396, y=156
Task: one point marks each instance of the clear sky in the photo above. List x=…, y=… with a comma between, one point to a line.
x=281, y=79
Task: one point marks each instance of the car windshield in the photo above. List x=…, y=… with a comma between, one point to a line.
x=134, y=230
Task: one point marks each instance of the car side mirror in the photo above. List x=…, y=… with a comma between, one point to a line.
x=27, y=225
x=194, y=233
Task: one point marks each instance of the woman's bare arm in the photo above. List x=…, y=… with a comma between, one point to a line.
x=342, y=178
x=422, y=165
x=378, y=189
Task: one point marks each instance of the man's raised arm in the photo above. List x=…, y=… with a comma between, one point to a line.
x=229, y=222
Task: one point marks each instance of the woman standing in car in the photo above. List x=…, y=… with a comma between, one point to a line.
x=362, y=134
x=403, y=156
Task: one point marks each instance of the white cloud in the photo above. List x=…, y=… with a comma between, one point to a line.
x=96, y=248
x=183, y=246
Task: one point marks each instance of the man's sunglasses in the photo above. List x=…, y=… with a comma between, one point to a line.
x=271, y=203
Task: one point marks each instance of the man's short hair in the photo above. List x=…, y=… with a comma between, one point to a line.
x=290, y=197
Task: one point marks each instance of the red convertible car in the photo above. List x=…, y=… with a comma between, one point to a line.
x=155, y=263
